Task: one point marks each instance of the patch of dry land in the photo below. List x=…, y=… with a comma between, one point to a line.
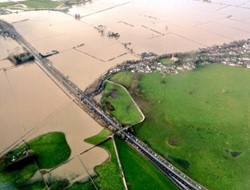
x=1, y=1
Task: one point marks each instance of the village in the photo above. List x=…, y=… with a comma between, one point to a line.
x=236, y=53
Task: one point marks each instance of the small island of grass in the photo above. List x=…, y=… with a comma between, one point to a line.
x=117, y=101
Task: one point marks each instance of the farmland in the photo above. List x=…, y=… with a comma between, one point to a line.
x=199, y=121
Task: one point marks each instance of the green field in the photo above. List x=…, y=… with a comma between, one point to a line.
x=117, y=101
x=166, y=61
x=99, y=138
x=200, y=121
x=109, y=176
x=39, y=185
x=125, y=78
x=42, y=3
x=82, y=186
x=35, y=3
x=50, y=144
x=5, y=4
x=139, y=172
x=50, y=150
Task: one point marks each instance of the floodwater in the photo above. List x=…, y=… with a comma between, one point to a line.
x=169, y=26
x=32, y=104
x=7, y=46
x=4, y=64
x=82, y=68
x=82, y=165
x=84, y=53
x=157, y=26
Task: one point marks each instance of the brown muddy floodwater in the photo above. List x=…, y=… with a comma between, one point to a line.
x=7, y=46
x=168, y=26
x=158, y=26
x=32, y=104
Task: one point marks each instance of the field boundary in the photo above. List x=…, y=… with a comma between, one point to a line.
x=135, y=104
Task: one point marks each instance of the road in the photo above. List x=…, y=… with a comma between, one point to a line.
x=181, y=180
x=119, y=163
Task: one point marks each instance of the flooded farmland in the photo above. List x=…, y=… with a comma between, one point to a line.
x=7, y=46
x=32, y=104
x=151, y=26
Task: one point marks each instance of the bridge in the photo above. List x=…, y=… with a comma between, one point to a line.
x=181, y=180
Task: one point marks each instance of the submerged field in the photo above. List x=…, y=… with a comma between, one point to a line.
x=198, y=120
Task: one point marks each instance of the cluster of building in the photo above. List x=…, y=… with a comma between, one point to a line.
x=147, y=66
x=20, y=154
x=152, y=65
x=47, y=54
x=236, y=53
x=16, y=158
x=21, y=58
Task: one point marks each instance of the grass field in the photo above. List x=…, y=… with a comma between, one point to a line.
x=200, y=121
x=15, y=178
x=82, y=186
x=99, y=138
x=50, y=149
x=5, y=4
x=139, y=172
x=167, y=61
x=35, y=3
x=50, y=144
x=117, y=101
x=42, y=3
x=35, y=186
x=109, y=176
x=125, y=78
